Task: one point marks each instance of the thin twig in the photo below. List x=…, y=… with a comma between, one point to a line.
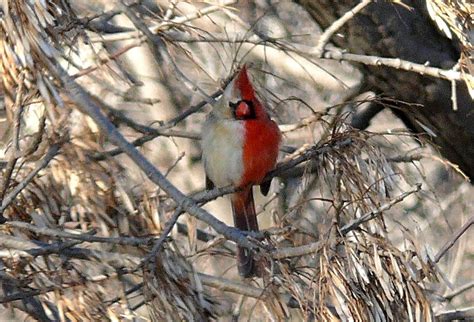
x=29, y=293
x=160, y=52
x=157, y=46
x=116, y=54
x=127, y=292
x=336, y=25
x=449, y=296
x=26, y=248
x=133, y=241
x=454, y=96
x=450, y=243
x=465, y=314
x=166, y=24
x=53, y=150
x=159, y=242
x=18, y=107
x=374, y=213
x=407, y=158
x=162, y=130
x=313, y=152
x=101, y=156
x=227, y=285
x=333, y=54
x=12, y=242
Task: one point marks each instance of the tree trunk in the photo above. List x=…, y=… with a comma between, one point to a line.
x=386, y=29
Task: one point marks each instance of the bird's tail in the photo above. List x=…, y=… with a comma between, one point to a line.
x=245, y=218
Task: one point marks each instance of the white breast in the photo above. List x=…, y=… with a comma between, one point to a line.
x=222, y=149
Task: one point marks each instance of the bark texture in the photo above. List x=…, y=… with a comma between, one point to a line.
x=389, y=30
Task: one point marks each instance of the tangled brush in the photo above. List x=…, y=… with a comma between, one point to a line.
x=82, y=240
x=74, y=194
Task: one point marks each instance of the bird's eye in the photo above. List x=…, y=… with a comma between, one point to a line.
x=233, y=105
x=243, y=110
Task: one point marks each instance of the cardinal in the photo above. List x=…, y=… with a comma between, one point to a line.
x=240, y=146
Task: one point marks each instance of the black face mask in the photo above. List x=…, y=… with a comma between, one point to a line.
x=243, y=110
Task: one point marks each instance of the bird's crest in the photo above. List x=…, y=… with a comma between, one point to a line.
x=244, y=85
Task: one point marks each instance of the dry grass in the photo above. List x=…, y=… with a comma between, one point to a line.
x=350, y=232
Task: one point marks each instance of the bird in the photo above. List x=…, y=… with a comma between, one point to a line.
x=240, y=145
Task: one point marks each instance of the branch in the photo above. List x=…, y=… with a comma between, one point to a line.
x=450, y=243
x=167, y=24
x=18, y=109
x=53, y=150
x=21, y=295
x=396, y=63
x=163, y=130
x=314, y=152
x=28, y=248
x=334, y=54
x=157, y=47
x=372, y=214
x=132, y=241
x=283, y=169
x=227, y=285
x=297, y=251
x=158, y=243
x=466, y=314
x=336, y=25
x=316, y=246
x=449, y=296
x=101, y=156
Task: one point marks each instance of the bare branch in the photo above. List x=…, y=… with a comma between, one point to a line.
x=450, y=243
x=297, y=251
x=397, y=63
x=53, y=150
x=449, y=296
x=372, y=214
x=133, y=241
x=336, y=25
x=166, y=24
x=465, y=314
x=159, y=242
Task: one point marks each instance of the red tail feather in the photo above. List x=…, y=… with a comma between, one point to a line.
x=245, y=218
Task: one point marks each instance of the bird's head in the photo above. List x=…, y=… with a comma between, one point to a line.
x=239, y=101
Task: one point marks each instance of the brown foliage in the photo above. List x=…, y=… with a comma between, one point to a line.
x=86, y=230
